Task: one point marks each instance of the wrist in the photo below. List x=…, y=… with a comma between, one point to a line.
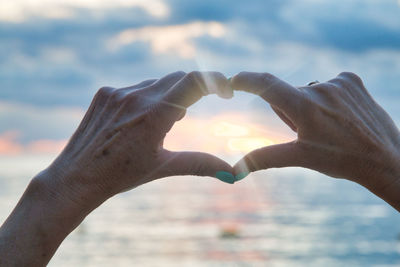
x=385, y=181
x=58, y=213
x=38, y=224
x=66, y=192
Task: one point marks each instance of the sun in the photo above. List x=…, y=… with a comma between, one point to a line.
x=229, y=136
x=229, y=129
x=246, y=144
x=240, y=137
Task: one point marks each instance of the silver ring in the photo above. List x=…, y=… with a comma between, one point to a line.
x=312, y=83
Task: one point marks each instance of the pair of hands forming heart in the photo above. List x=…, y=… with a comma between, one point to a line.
x=341, y=130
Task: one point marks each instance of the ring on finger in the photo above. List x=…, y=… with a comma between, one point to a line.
x=313, y=82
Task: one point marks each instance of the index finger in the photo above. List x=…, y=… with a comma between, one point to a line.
x=188, y=90
x=272, y=89
x=194, y=85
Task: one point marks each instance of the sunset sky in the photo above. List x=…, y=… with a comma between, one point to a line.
x=54, y=55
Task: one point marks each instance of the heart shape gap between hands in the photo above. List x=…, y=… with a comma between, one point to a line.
x=229, y=135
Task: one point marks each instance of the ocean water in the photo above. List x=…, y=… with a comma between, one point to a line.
x=280, y=217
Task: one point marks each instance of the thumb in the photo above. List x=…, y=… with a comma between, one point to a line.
x=196, y=163
x=274, y=156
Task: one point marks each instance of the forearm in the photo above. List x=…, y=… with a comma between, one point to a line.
x=38, y=224
x=392, y=195
x=383, y=178
x=390, y=190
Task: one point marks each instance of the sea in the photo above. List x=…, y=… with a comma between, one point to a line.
x=277, y=217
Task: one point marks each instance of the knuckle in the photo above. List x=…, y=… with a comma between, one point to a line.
x=267, y=77
x=330, y=93
x=338, y=84
x=192, y=77
x=179, y=73
x=193, y=74
x=105, y=92
x=348, y=74
x=351, y=77
x=131, y=98
x=354, y=83
x=144, y=84
x=242, y=74
x=240, y=77
x=237, y=78
x=217, y=74
x=116, y=96
x=325, y=88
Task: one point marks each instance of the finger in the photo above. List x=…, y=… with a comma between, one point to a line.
x=139, y=85
x=165, y=83
x=284, y=118
x=98, y=103
x=352, y=84
x=270, y=88
x=275, y=156
x=195, y=163
x=351, y=77
x=195, y=85
x=192, y=87
x=162, y=84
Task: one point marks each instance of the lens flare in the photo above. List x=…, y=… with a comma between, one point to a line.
x=246, y=144
x=229, y=129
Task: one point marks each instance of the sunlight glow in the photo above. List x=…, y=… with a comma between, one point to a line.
x=228, y=135
x=165, y=39
x=248, y=144
x=229, y=129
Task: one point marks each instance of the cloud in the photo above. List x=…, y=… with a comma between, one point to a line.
x=22, y=10
x=35, y=123
x=64, y=62
x=50, y=67
x=9, y=145
x=46, y=146
x=177, y=39
x=355, y=26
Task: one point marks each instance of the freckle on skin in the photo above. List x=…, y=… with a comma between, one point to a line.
x=105, y=152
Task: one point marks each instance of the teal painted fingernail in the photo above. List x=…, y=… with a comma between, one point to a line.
x=241, y=176
x=230, y=78
x=226, y=177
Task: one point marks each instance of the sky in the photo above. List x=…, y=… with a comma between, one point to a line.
x=54, y=55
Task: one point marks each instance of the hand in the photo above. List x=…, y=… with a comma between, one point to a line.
x=341, y=132
x=119, y=143
x=117, y=146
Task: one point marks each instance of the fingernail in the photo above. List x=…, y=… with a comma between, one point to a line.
x=226, y=177
x=230, y=78
x=241, y=176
